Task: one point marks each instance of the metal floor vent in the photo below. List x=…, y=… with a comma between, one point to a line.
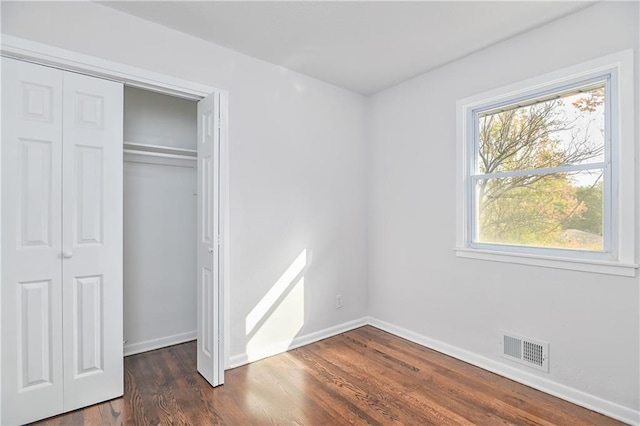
x=526, y=351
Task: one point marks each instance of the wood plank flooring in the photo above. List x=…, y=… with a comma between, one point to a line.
x=364, y=376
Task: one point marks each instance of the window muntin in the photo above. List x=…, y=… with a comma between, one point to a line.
x=541, y=170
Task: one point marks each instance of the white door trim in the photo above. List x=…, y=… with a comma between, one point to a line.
x=68, y=60
x=31, y=51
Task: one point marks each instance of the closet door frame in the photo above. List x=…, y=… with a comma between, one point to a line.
x=18, y=48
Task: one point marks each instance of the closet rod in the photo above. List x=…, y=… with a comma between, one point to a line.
x=146, y=149
x=159, y=154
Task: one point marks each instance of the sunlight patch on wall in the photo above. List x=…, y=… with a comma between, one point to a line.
x=281, y=327
x=276, y=320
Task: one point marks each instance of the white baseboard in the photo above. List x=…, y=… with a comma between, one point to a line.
x=305, y=339
x=575, y=396
x=149, y=345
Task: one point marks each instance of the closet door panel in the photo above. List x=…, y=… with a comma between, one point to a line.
x=209, y=359
x=92, y=240
x=31, y=152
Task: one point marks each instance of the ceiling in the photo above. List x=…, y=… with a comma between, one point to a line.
x=363, y=46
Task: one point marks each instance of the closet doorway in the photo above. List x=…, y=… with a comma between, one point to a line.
x=210, y=187
x=160, y=190
x=171, y=192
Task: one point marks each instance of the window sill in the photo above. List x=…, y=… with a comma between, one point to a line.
x=593, y=266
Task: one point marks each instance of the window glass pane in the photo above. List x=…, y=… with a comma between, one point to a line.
x=561, y=210
x=568, y=129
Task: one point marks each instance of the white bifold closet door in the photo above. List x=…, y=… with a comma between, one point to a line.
x=61, y=241
x=210, y=350
x=31, y=242
x=92, y=240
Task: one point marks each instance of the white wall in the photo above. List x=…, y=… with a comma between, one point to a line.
x=415, y=280
x=156, y=119
x=159, y=255
x=296, y=159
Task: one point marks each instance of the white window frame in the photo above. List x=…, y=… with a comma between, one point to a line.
x=619, y=254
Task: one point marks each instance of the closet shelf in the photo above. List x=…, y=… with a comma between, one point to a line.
x=160, y=151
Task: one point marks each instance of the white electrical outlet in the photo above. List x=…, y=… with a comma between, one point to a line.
x=338, y=301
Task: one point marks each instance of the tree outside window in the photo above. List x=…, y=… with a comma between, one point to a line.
x=541, y=171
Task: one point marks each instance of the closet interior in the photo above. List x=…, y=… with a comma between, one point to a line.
x=160, y=200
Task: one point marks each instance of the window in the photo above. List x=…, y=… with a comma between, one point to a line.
x=540, y=172
x=547, y=172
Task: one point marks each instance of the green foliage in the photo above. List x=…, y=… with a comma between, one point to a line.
x=590, y=219
x=528, y=213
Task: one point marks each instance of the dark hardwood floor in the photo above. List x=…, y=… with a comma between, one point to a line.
x=364, y=376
